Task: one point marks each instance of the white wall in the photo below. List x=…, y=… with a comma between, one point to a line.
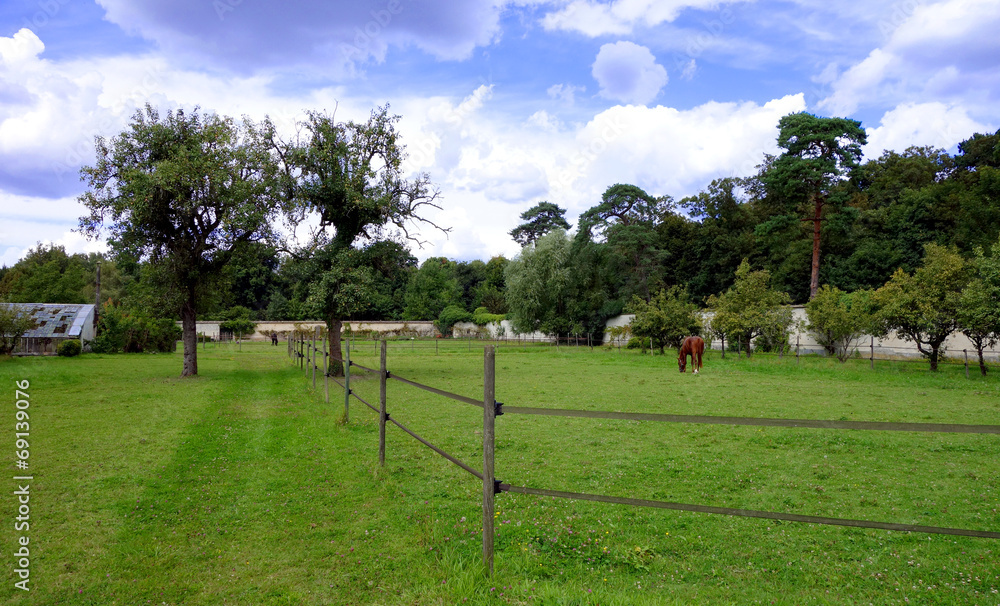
x=890, y=346
x=264, y=329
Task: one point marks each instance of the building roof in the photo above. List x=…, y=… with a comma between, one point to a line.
x=57, y=321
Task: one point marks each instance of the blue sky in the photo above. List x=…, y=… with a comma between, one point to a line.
x=503, y=103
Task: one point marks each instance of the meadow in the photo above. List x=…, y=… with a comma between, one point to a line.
x=242, y=486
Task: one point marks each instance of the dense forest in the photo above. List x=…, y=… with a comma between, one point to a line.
x=814, y=215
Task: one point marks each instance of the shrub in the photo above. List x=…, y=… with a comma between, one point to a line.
x=15, y=320
x=121, y=330
x=450, y=316
x=69, y=348
x=482, y=317
x=238, y=320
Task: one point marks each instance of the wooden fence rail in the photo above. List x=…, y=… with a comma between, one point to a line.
x=302, y=349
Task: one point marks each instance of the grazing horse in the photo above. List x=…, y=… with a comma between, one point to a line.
x=694, y=347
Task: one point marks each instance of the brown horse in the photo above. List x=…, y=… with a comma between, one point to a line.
x=694, y=347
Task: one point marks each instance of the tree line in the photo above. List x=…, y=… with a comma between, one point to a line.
x=195, y=207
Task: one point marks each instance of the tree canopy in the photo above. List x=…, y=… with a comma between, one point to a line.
x=180, y=192
x=349, y=175
x=539, y=220
x=819, y=154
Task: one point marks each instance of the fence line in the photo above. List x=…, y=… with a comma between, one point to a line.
x=750, y=513
x=949, y=358
x=756, y=421
x=492, y=486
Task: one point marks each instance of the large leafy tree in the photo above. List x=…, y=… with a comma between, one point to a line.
x=750, y=308
x=819, y=154
x=839, y=319
x=46, y=274
x=723, y=238
x=432, y=288
x=666, y=318
x=349, y=177
x=979, y=306
x=181, y=191
x=539, y=220
x=626, y=220
x=923, y=307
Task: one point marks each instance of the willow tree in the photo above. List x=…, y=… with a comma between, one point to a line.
x=181, y=192
x=348, y=178
x=819, y=154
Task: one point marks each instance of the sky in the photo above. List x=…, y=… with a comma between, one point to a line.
x=503, y=103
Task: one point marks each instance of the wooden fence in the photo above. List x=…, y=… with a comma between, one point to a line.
x=306, y=353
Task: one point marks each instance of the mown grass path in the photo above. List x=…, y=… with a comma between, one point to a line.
x=241, y=487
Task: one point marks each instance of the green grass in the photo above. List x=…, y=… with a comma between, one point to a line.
x=241, y=486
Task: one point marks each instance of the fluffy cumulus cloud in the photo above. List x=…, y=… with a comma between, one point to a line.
x=618, y=17
x=944, y=51
x=933, y=123
x=628, y=72
x=333, y=36
x=670, y=151
x=504, y=167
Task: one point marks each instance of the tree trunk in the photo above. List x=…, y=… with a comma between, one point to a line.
x=817, y=219
x=333, y=328
x=189, y=336
x=935, y=352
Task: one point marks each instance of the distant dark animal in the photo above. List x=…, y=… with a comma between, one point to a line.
x=274, y=338
x=694, y=347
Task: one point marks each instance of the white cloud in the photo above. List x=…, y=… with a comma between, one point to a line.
x=564, y=92
x=333, y=37
x=26, y=221
x=628, y=72
x=593, y=18
x=944, y=51
x=857, y=82
x=24, y=46
x=934, y=124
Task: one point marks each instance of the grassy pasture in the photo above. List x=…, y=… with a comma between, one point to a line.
x=240, y=486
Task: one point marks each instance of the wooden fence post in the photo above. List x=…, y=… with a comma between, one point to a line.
x=381, y=401
x=326, y=370
x=315, y=335
x=873, y=353
x=489, y=422
x=347, y=383
x=302, y=351
x=966, y=352
x=796, y=348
